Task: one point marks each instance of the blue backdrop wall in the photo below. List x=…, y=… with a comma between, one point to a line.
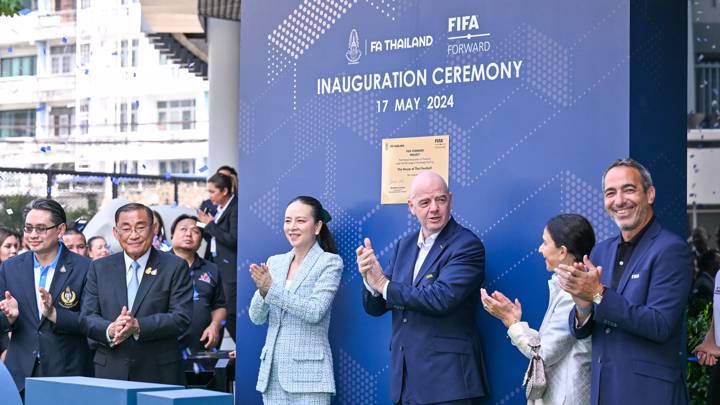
x=523, y=147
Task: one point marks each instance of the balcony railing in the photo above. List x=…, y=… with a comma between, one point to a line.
x=58, y=17
x=707, y=95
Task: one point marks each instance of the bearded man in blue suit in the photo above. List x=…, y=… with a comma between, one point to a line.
x=630, y=295
x=431, y=286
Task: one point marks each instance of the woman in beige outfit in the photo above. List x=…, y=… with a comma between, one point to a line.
x=566, y=239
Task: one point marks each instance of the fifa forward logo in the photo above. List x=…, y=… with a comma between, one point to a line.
x=353, y=53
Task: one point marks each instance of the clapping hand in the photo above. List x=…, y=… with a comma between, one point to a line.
x=9, y=307
x=707, y=353
x=48, y=310
x=581, y=280
x=500, y=306
x=124, y=326
x=369, y=267
x=262, y=278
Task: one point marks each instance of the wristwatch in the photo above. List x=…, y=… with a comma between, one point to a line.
x=597, y=298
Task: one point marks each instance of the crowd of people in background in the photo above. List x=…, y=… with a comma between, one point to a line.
x=195, y=325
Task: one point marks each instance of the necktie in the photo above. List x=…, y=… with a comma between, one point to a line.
x=133, y=285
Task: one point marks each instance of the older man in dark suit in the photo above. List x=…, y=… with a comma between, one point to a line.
x=431, y=285
x=137, y=327
x=43, y=291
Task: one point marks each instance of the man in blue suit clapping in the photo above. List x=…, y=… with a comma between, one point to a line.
x=43, y=290
x=630, y=295
x=431, y=286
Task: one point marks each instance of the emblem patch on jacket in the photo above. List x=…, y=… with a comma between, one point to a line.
x=68, y=298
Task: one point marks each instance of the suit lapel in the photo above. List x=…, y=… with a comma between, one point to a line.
x=611, y=253
x=27, y=278
x=225, y=213
x=115, y=274
x=150, y=273
x=437, y=248
x=639, y=253
x=407, y=256
x=282, y=269
x=305, y=267
x=62, y=272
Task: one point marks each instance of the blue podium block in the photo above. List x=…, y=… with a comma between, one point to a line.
x=8, y=389
x=86, y=390
x=184, y=397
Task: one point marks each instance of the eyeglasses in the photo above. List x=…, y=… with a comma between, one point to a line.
x=126, y=230
x=40, y=229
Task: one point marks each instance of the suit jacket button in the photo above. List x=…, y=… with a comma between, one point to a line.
x=402, y=348
x=404, y=320
x=607, y=331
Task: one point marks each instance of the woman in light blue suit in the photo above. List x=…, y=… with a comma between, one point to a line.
x=295, y=291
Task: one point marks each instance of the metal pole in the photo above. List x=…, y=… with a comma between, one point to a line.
x=114, y=189
x=49, y=177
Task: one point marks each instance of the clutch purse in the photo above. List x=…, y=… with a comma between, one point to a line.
x=534, y=381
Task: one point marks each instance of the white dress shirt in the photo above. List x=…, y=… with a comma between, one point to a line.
x=218, y=215
x=142, y=261
x=424, y=244
x=48, y=283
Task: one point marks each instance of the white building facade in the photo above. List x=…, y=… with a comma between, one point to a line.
x=82, y=88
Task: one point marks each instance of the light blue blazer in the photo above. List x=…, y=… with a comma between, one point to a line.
x=298, y=320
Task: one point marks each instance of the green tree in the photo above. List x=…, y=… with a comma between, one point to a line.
x=12, y=210
x=698, y=377
x=10, y=7
x=76, y=213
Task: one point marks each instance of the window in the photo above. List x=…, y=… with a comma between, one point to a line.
x=128, y=114
x=85, y=3
x=134, y=53
x=129, y=167
x=123, y=117
x=63, y=120
x=129, y=53
x=176, y=114
x=84, y=54
x=17, y=123
x=134, y=116
x=183, y=166
x=123, y=53
x=84, y=117
x=20, y=66
x=62, y=58
x=66, y=10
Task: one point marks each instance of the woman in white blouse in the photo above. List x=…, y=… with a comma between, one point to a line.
x=566, y=239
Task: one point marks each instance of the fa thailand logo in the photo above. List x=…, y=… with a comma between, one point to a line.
x=353, y=53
